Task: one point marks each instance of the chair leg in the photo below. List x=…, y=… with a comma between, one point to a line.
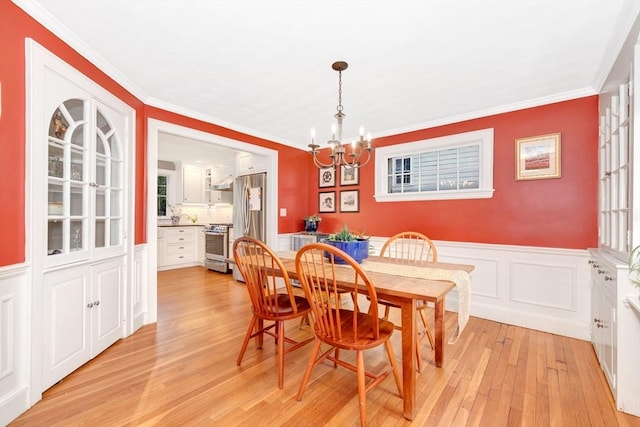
x=355, y=303
x=425, y=322
x=394, y=366
x=386, y=312
x=418, y=353
x=280, y=354
x=310, y=365
x=247, y=337
x=362, y=391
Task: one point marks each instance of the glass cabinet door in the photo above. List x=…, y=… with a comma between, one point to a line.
x=84, y=183
x=67, y=185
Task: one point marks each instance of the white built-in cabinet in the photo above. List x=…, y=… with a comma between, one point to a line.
x=248, y=163
x=615, y=327
x=192, y=184
x=84, y=315
x=80, y=170
x=180, y=247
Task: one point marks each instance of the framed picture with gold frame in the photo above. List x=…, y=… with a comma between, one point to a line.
x=538, y=157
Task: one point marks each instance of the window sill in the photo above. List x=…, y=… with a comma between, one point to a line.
x=439, y=195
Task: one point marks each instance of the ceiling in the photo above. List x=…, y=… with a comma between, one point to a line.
x=264, y=67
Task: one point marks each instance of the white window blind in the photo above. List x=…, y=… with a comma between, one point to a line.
x=452, y=167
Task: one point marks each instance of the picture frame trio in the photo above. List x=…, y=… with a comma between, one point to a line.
x=349, y=199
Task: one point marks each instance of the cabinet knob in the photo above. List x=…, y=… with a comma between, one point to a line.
x=97, y=303
x=608, y=278
x=90, y=305
x=600, y=271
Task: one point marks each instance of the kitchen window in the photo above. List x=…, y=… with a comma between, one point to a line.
x=163, y=187
x=452, y=167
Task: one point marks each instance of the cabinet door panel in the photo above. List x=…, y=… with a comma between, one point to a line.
x=66, y=335
x=107, y=304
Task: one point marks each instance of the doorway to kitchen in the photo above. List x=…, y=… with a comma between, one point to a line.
x=156, y=127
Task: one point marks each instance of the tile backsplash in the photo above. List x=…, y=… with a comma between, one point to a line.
x=205, y=215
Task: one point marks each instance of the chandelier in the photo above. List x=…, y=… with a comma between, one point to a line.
x=339, y=156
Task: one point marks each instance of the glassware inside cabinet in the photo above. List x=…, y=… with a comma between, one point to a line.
x=56, y=163
x=76, y=235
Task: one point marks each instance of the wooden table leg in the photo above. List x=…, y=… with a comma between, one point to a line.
x=439, y=335
x=408, y=314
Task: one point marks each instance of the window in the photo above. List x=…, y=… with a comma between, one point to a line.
x=163, y=184
x=451, y=167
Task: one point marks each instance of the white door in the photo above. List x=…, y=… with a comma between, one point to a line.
x=66, y=335
x=107, y=281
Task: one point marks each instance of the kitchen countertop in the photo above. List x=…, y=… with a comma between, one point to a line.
x=181, y=225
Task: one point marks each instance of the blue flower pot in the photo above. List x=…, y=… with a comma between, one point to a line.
x=356, y=249
x=310, y=226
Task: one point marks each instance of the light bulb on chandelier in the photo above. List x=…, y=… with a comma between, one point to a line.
x=339, y=156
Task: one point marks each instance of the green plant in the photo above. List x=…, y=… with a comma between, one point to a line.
x=634, y=267
x=344, y=235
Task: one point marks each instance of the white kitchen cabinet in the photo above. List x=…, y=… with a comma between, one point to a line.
x=248, y=163
x=217, y=197
x=201, y=242
x=192, y=184
x=180, y=247
x=83, y=316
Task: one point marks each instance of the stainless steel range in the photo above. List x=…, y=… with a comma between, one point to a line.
x=217, y=247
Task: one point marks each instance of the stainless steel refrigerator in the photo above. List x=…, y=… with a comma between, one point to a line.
x=249, y=209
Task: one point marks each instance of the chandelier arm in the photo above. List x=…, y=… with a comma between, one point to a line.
x=319, y=164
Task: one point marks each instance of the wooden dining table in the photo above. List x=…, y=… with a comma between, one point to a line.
x=404, y=290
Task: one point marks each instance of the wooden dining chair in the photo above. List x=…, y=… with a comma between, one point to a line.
x=415, y=247
x=272, y=298
x=341, y=328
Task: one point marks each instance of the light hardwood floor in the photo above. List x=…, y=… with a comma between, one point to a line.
x=182, y=372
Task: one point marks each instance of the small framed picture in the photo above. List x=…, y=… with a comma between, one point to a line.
x=349, y=201
x=327, y=201
x=327, y=177
x=538, y=157
x=349, y=175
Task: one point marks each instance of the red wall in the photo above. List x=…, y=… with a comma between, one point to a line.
x=555, y=213
x=293, y=166
x=558, y=213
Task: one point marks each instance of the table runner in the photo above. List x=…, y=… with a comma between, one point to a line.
x=460, y=278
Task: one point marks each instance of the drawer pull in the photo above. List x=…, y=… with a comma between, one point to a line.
x=608, y=278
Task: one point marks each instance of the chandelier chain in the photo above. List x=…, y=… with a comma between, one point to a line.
x=339, y=108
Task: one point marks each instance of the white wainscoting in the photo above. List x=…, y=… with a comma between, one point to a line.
x=547, y=289
x=14, y=339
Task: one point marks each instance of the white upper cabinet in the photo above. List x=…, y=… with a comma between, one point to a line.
x=192, y=184
x=248, y=163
